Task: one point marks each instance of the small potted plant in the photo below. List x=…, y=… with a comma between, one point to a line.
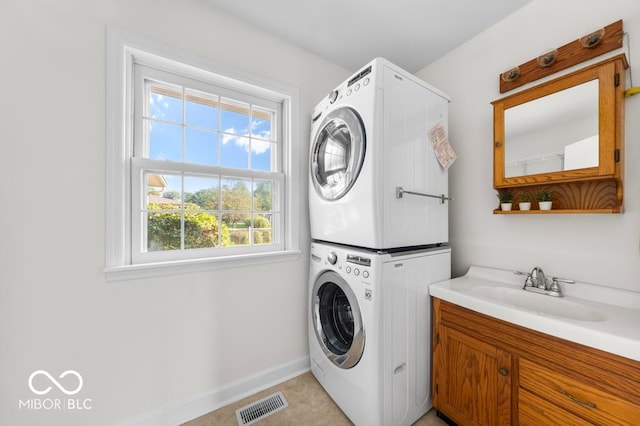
x=544, y=199
x=524, y=201
x=506, y=200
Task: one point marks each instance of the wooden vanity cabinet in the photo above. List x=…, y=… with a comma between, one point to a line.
x=468, y=387
x=491, y=372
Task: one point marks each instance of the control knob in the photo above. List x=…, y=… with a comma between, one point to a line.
x=333, y=96
x=332, y=258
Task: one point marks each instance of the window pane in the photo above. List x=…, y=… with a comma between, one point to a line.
x=200, y=230
x=234, y=152
x=236, y=197
x=261, y=155
x=239, y=226
x=262, y=229
x=236, y=194
x=262, y=195
x=163, y=230
x=165, y=141
x=201, y=147
x=163, y=201
x=201, y=110
x=234, y=117
x=163, y=188
x=200, y=193
x=165, y=102
x=261, y=123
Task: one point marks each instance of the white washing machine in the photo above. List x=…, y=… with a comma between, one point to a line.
x=370, y=329
x=369, y=138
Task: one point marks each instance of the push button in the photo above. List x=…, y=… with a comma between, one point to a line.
x=356, y=272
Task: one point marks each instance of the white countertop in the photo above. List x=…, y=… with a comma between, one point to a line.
x=618, y=333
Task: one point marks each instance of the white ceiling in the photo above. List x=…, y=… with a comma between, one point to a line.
x=349, y=33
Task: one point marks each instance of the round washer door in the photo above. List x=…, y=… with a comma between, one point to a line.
x=337, y=153
x=337, y=320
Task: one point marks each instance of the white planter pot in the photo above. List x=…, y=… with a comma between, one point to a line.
x=545, y=205
x=505, y=207
x=525, y=205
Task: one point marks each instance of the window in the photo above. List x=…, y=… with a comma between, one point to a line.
x=206, y=169
x=199, y=165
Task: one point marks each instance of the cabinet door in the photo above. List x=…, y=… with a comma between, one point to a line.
x=473, y=384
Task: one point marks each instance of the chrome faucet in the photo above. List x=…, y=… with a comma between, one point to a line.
x=537, y=278
x=536, y=282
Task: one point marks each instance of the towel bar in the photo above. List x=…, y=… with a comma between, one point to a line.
x=400, y=192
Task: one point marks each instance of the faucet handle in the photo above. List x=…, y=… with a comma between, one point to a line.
x=562, y=280
x=527, y=281
x=555, y=283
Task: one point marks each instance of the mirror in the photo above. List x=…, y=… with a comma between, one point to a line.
x=564, y=130
x=554, y=133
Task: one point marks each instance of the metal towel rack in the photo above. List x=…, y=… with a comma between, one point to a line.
x=400, y=192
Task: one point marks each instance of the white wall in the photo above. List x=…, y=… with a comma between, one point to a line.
x=142, y=345
x=596, y=248
x=145, y=345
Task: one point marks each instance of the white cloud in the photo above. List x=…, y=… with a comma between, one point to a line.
x=257, y=147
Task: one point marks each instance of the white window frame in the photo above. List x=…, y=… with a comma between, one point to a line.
x=123, y=50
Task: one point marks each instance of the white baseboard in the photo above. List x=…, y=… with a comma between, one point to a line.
x=211, y=401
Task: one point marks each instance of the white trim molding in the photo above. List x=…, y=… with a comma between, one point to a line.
x=211, y=401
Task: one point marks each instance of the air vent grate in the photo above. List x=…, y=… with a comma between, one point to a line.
x=265, y=407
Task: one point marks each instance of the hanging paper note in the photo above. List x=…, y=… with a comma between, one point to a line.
x=440, y=143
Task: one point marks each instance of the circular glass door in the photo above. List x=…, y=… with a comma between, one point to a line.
x=337, y=153
x=337, y=320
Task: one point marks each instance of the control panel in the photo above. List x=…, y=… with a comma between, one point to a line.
x=361, y=264
x=354, y=265
x=356, y=83
x=359, y=76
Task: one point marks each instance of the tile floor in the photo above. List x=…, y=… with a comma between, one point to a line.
x=308, y=405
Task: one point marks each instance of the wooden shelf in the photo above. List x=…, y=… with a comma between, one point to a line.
x=556, y=211
x=600, y=196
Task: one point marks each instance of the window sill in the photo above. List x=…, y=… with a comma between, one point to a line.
x=147, y=270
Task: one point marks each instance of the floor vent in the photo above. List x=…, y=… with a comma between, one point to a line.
x=265, y=407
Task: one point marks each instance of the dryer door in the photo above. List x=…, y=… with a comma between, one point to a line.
x=337, y=153
x=337, y=320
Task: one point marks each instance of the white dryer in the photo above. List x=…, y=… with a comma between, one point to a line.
x=369, y=138
x=370, y=328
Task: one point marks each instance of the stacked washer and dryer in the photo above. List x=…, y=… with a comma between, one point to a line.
x=379, y=228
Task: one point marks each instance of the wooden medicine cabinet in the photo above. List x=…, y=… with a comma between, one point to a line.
x=565, y=136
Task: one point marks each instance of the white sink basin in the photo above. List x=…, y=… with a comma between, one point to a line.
x=538, y=303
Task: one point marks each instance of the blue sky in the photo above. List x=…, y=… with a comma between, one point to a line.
x=207, y=130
